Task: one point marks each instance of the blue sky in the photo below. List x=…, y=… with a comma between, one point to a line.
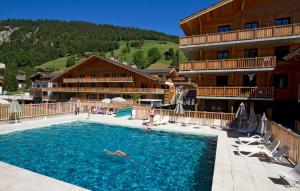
x=160, y=15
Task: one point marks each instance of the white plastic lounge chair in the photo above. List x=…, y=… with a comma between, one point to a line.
x=258, y=149
x=277, y=155
x=162, y=121
x=217, y=123
x=293, y=175
x=255, y=139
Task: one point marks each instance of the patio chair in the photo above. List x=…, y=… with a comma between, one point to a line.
x=259, y=149
x=255, y=139
x=162, y=121
x=293, y=175
x=279, y=154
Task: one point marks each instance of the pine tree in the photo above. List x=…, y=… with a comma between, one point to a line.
x=10, y=81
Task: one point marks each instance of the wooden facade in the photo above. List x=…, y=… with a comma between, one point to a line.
x=238, y=49
x=98, y=78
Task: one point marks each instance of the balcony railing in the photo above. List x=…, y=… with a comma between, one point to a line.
x=239, y=35
x=238, y=92
x=98, y=79
x=230, y=64
x=107, y=90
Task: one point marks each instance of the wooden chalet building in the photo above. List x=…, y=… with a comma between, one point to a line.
x=98, y=77
x=245, y=50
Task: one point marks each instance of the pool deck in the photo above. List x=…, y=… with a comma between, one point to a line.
x=232, y=172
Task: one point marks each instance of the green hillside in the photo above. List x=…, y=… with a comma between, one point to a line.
x=60, y=63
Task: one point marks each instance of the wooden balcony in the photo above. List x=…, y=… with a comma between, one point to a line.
x=242, y=35
x=263, y=93
x=232, y=65
x=106, y=90
x=98, y=79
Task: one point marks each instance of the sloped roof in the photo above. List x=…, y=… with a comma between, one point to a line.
x=140, y=72
x=206, y=10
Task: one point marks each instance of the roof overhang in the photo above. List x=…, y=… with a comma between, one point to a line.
x=204, y=11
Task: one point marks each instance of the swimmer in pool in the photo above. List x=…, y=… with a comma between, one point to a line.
x=118, y=153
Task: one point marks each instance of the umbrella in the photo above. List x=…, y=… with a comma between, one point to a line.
x=241, y=114
x=4, y=102
x=118, y=100
x=106, y=100
x=15, y=108
x=263, y=124
x=252, y=119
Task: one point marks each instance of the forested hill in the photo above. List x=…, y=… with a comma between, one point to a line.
x=26, y=43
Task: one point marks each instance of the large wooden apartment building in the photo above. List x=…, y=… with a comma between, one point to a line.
x=245, y=50
x=98, y=77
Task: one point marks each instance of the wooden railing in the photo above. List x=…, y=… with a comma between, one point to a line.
x=107, y=90
x=248, y=92
x=288, y=138
x=97, y=79
x=228, y=64
x=198, y=117
x=240, y=35
x=46, y=109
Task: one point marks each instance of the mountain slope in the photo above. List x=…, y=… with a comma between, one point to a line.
x=32, y=43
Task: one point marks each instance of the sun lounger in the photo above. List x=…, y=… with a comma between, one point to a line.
x=217, y=123
x=293, y=175
x=255, y=139
x=258, y=149
x=277, y=155
x=162, y=121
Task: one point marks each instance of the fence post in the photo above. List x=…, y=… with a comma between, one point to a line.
x=59, y=108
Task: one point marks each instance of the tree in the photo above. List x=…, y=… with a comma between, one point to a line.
x=28, y=74
x=10, y=81
x=139, y=60
x=112, y=54
x=137, y=44
x=176, y=59
x=169, y=54
x=71, y=61
x=153, y=55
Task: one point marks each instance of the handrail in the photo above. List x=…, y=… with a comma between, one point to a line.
x=106, y=90
x=98, y=79
x=239, y=35
x=226, y=64
x=255, y=92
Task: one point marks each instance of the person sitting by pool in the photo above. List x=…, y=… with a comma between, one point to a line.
x=117, y=153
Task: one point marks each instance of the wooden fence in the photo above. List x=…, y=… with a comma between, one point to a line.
x=199, y=117
x=288, y=138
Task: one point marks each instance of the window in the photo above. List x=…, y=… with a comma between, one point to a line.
x=283, y=21
x=252, y=25
x=93, y=85
x=281, y=81
x=222, y=81
x=93, y=75
x=81, y=75
x=91, y=96
x=216, y=106
x=143, y=85
x=105, y=85
x=224, y=28
x=251, y=53
x=222, y=54
x=247, y=82
x=281, y=52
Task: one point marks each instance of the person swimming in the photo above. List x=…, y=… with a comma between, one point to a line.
x=118, y=153
x=148, y=130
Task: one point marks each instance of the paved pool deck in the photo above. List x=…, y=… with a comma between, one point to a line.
x=232, y=172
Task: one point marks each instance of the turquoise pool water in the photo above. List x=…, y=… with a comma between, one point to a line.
x=75, y=153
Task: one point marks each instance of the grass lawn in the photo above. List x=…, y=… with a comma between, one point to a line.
x=59, y=64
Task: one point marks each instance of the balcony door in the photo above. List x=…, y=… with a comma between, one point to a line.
x=281, y=51
x=249, y=82
x=222, y=81
x=251, y=53
x=223, y=54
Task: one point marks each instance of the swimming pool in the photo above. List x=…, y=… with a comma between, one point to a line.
x=75, y=153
